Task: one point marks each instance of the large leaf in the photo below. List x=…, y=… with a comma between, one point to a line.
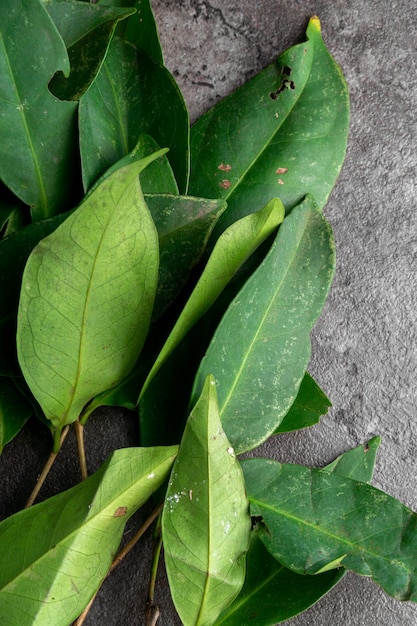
x=272, y=593
x=205, y=523
x=86, y=30
x=38, y=131
x=14, y=252
x=131, y=95
x=54, y=556
x=259, y=375
x=232, y=249
x=310, y=404
x=15, y=410
x=87, y=298
x=283, y=133
x=315, y=520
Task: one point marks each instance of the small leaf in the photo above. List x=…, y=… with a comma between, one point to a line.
x=259, y=375
x=54, y=556
x=315, y=517
x=231, y=251
x=310, y=404
x=87, y=297
x=272, y=593
x=205, y=521
x=15, y=410
x=131, y=95
x=283, y=133
x=38, y=131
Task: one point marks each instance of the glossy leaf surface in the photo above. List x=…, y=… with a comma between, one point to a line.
x=272, y=593
x=282, y=134
x=37, y=148
x=15, y=410
x=316, y=519
x=259, y=375
x=87, y=296
x=310, y=404
x=131, y=95
x=232, y=249
x=66, y=544
x=205, y=522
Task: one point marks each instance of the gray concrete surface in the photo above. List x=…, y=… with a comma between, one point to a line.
x=364, y=347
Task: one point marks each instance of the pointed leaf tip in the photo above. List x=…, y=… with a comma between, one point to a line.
x=315, y=23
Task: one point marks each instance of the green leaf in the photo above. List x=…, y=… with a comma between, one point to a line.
x=231, y=251
x=54, y=556
x=257, y=143
x=310, y=404
x=130, y=96
x=38, y=131
x=258, y=377
x=86, y=30
x=15, y=410
x=205, y=522
x=87, y=297
x=313, y=518
x=272, y=593
x=14, y=252
x=141, y=30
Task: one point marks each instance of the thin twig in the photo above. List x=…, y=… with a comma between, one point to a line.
x=152, y=611
x=120, y=557
x=79, y=435
x=46, y=470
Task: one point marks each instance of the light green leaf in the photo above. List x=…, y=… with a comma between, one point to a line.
x=310, y=404
x=231, y=251
x=283, y=133
x=87, y=298
x=38, y=131
x=314, y=517
x=259, y=375
x=205, y=522
x=54, y=556
x=272, y=593
x=15, y=410
x=131, y=95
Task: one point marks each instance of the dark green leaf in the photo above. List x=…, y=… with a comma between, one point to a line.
x=87, y=296
x=315, y=520
x=38, y=131
x=140, y=29
x=283, y=134
x=310, y=404
x=86, y=30
x=205, y=523
x=54, y=556
x=14, y=252
x=130, y=96
x=272, y=593
x=15, y=410
x=259, y=375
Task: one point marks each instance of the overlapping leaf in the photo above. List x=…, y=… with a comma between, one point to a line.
x=315, y=520
x=63, y=547
x=283, y=134
x=131, y=95
x=205, y=522
x=87, y=298
x=15, y=410
x=310, y=404
x=38, y=131
x=258, y=375
x=272, y=593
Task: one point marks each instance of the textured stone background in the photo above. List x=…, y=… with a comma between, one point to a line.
x=364, y=347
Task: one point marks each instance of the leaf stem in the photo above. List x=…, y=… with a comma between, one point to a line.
x=120, y=557
x=46, y=469
x=152, y=611
x=79, y=435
